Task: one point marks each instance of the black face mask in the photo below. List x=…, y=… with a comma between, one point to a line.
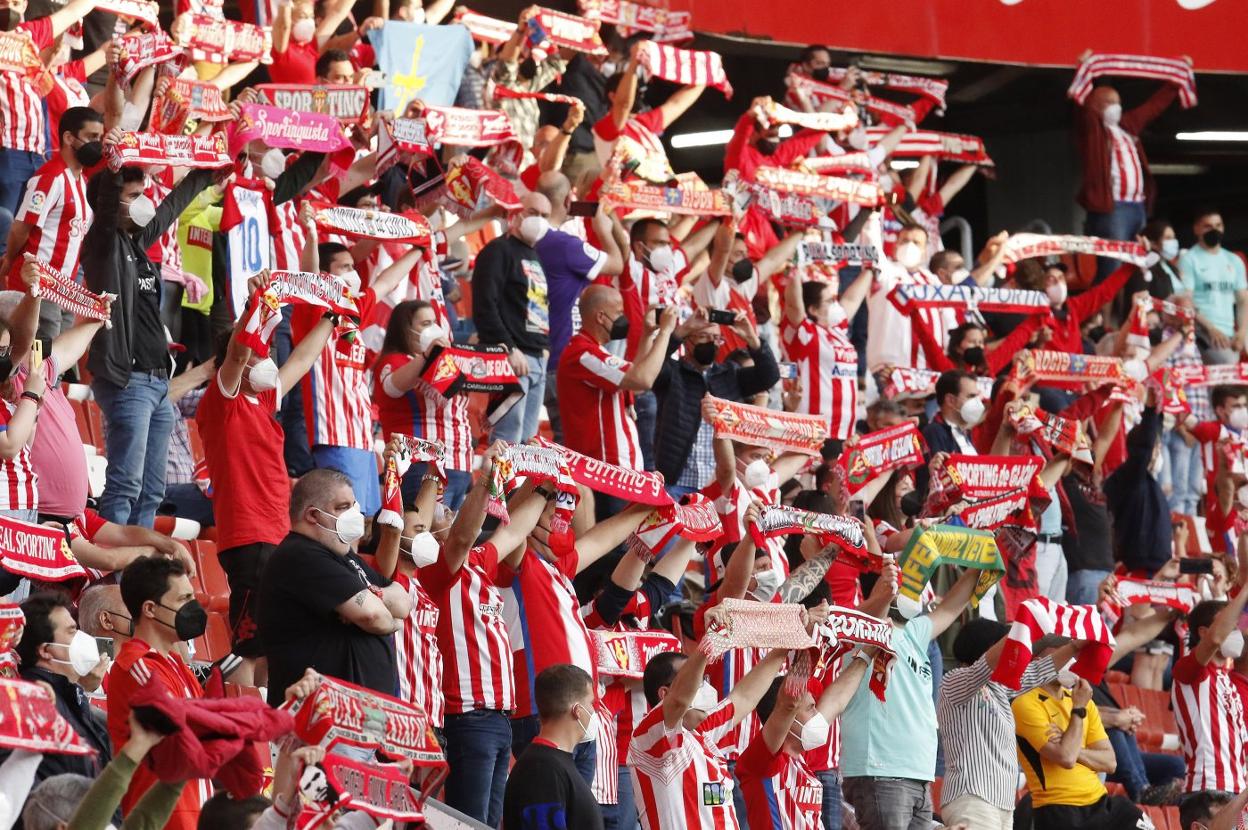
x=189, y=621
x=743, y=270
x=1155, y=336
x=821, y=74
x=1212, y=238
x=89, y=154
x=974, y=356
x=129, y=623
x=6, y=367
x=767, y=146
x=912, y=504
x=704, y=353
x=619, y=328
x=528, y=69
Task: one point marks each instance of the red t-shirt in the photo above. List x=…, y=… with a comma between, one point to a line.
x=297, y=65
x=243, y=448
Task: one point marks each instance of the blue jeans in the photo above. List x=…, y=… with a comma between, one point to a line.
x=296, y=451
x=478, y=750
x=1183, y=472
x=622, y=815
x=738, y=798
x=1081, y=585
x=525, y=729
x=16, y=168
x=6, y=222
x=646, y=405
x=1137, y=770
x=831, y=781
x=521, y=421
x=189, y=502
x=137, y=421
x=1124, y=222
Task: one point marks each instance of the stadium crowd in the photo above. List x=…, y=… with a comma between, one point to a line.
x=364, y=448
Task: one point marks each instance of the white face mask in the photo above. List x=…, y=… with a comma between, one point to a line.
x=84, y=654
x=142, y=210
x=430, y=334
x=662, y=259
x=706, y=698
x=1233, y=645
x=1112, y=114
x=348, y=525
x=756, y=474
x=972, y=412
x=1170, y=248
x=909, y=255
x=352, y=279
x=959, y=276
x=1238, y=418
x=532, y=229
x=302, y=30
x=836, y=314
x=424, y=548
x=273, y=163
x=908, y=608
x=1056, y=292
x=609, y=68
x=1136, y=369
x=1067, y=678
x=589, y=731
x=263, y=375
x=814, y=732
x=766, y=584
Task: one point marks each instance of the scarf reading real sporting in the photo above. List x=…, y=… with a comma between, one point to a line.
x=950, y=545
x=881, y=452
x=757, y=426
x=1040, y=616
x=197, y=151
x=1177, y=71
x=347, y=103
x=69, y=295
x=37, y=552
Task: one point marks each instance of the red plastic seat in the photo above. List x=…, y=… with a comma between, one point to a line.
x=215, y=643
x=211, y=575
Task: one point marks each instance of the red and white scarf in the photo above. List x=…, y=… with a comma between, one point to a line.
x=867, y=194
x=541, y=464
x=222, y=41
x=1040, y=616
x=297, y=288
x=695, y=519
x=983, y=476
x=968, y=298
x=753, y=624
x=199, y=151
x=470, y=186
x=462, y=127
x=837, y=254
x=828, y=122
x=181, y=100
x=30, y=721
x=954, y=147
x=37, y=552
x=1022, y=246
x=880, y=453
x=818, y=94
x=621, y=482
x=552, y=97
x=347, y=103
x=782, y=520
x=847, y=628
x=687, y=67
x=1131, y=591
x=12, y=620
x=933, y=89
x=138, y=50
x=560, y=30
x=689, y=197
x=379, y=790
x=1229, y=374
x=484, y=28
x=666, y=25
x=760, y=427
x=432, y=453
x=904, y=382
x=626, y=653
x=1046, y=365
x=363, y=223
x=288, y=130
x=991, y=512
x=857, y=163
x=1061, y=435
x=1177, y=71
x=70, y=295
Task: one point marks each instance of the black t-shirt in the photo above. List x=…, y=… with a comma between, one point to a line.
x=545, y=792
x=150, y=349
x=1090, y=547
x=302, y=585
x=509, y=299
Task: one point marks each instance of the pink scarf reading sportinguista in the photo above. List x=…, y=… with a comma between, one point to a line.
x=686, y=67
x=1177, y=71
x=1040, y=616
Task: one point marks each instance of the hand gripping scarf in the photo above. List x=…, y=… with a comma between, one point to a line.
x=626, y=653
x=753, y=624
x=666, y=25
x=462, y=368
x=143, y=11
x=295, y=288
x=1040, y=616
x=819, y=94
x=952, y=147
x=1062, y=435
x=1047, y=365
x=182, y=101
x=222, y=41
x=1175, y=71
x=686, y=67
x=847, y=628
x=1131, y=591
x=138, y=50
x=635, y=486
x=970, y=298
x=760, y=427
x=781, y=519
x=786, y=209
x=30, y=721
x=880, y=453
x=541, y=464
x=695, y=519
x=867, y=194
x=1022, y=246
x=198, y=151
x=69, y=295
x=363, y=223
x=828, y=122
x=950, y=545
x=933, y=89
x=470, y=186
x=411, y=450
x=347, y=103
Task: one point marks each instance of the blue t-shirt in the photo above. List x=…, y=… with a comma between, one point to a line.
x=570, y=265
x=1212, y=278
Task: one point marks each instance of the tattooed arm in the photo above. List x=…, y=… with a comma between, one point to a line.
x=807, y=576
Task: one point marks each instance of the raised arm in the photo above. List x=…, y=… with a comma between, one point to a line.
x=603, y=537
x=679, y=102
x=749, y=690
x=954, y=602
x=651, y=354
x=807, y=576
x=741, y=564
x=305, y=354
x=837, y=696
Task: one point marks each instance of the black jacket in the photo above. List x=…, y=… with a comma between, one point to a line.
x=110, y=259
x=88, y=722
x=1143, y=535
x=680, y=388
x=939, y=438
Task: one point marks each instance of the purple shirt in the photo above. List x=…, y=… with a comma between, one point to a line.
x=570, y=265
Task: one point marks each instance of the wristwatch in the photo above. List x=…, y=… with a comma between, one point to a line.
x=1079, y=712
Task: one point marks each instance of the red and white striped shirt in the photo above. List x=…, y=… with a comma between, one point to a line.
x=21, y=105
x=595, y=406
x=827, y=372
x=423, y=413
x=1209, y=710
x=644, y=128
x=476, y=650
x=680, y=780
x=288, y=236
x=19, y=483
x=1126, y=173
x=890, y=341
x=827, y=756
x=606, y=783
x=67, y=91
x=337, y=395
x=418, y=658
x=55, y=206
x=545, y=622
x=779, y=789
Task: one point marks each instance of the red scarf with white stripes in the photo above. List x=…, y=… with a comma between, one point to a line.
x=857, y=163
x=686, y=67
x=362, y=223
x=666, y=25
x=1177, y=71
x=70, y=295
x=933, y=89
x=689, y=197
x=470, y=186
x=621, y=482
x=828, y=122
x=295, y=288
x=626, y=653
x=1229, y=374
x=37, y=552
x=144, y=11
x=198, y=151
x=139, y=50
x=1022, y=246
x=695, y=519
x=818, y=94
x=788, y=210
x=760, y=427
x=1130, y=591
x=881, y=452
x=952, y=147
x=179, y=100
x=222, y=41
x=867, y=194
x=29, y=720
x=781, y=520
x=1040, y=616
x=552, y=97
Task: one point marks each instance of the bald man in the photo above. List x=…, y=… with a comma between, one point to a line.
x=510, y=307
x=595, y=386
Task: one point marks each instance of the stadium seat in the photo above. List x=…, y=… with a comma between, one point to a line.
x=211, y=575
x=215, y=643
x=1164, y=818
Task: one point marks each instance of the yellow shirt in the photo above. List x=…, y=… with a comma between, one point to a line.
x=1051, y=783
